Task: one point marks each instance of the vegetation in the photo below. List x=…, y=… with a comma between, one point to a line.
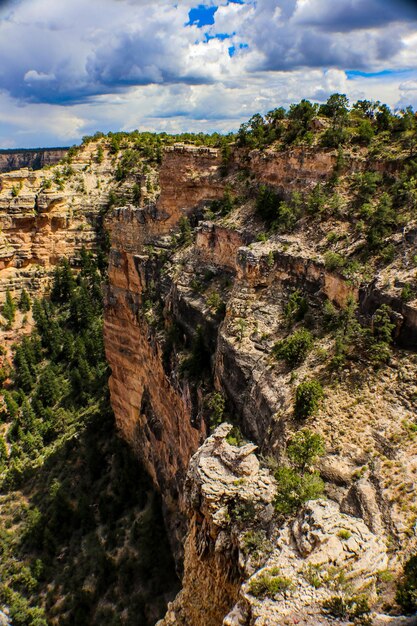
x=296, y=307
x=24, y=302
x=294, y=349
x=216, y=404
x=270, y=583
x=298, y=482
x=83, y=540
x=352, y=608
x=308, y=397
x=354, y=341
x=407, y=588
x=9, y=309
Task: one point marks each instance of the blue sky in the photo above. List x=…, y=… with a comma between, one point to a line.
x=71, y=67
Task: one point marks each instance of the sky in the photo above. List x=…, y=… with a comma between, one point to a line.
x=69, y=68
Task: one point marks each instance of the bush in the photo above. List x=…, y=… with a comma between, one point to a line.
x=365, y=132
x=296, y=307
x=267, y=203
x=407, y=589
x=216, y=404
x=186, y=233
x=407, y=293
x=295, y=348
x=293, y=489
x=383, y=222
x=304, y=448
x=308, y=396
x=333, y=261
x=269, y=584
x=352, y=608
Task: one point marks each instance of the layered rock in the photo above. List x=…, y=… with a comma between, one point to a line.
x=229, y=497
x=47, y=215
x=153, y=411
x=34, y=159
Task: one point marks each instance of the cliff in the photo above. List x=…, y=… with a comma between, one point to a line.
x=241, y=567
x=166, y=293
x=47, y=215
x=201, y=290
x=34, y=159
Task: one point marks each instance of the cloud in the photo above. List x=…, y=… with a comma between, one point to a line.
x=109, y=64
x=33, y=76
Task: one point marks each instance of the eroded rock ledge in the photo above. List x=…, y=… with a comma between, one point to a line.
x=229, y=499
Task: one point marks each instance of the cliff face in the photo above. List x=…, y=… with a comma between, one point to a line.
x=33, y=159
x=48, y=215
x=228, y=554
x=153, y=411
x=157, y=286
x=193, y=311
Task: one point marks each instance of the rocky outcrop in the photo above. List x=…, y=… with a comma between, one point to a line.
x=34, y=159
x=47, y=215
x=232, y=531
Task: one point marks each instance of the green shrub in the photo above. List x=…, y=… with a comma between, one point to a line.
x=365, y=132
x=344, y=534
x=293, y=489
x=366, y=185
x=312, y=574
x=267, y=203
x=215, y=303
x=407, y=588
x=256, y=544
x=304, y=448
x=216, y=403
x=383, y=222
x=407, y=293
x=308, y=396
x=333, y=261
x=295, y=348
x=352, y=608
x=186, y=233
x=269, y=584
x=296, y=307
x=335, y=136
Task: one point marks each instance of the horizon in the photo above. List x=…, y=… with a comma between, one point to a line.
x=121, y=65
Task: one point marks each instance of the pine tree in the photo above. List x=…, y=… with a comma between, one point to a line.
x=27, y=416
x=24, y=302
x=12, y=408
x=9, y=309
x=48, y=390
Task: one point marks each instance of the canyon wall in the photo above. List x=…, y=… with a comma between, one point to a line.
x=216, y=288
x=155, y=286
x=33, y=159
x=47, y=215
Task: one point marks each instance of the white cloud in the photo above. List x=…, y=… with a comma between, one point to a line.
x=72, y=67
x=34, y=75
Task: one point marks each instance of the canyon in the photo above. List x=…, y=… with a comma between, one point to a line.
x=185, y=281
x=35, y=159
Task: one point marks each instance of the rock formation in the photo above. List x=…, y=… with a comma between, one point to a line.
x=34, y=159
x=193, y=308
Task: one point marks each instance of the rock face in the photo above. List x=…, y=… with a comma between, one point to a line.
x=152, y=410
x=45, y=216
x=221, y=294
x=34, y=159
x=155, y=287
x=224, y=482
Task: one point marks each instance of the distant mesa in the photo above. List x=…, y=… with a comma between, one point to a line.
x=34, y=158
